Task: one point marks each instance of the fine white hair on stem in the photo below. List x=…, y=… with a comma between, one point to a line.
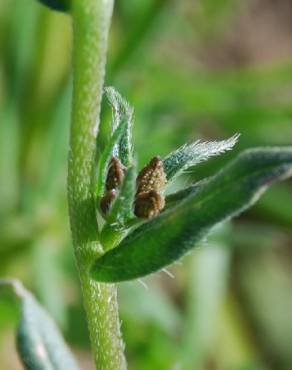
x=168, y=273
x=143, y=284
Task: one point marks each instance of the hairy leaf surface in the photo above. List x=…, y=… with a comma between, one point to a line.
x=121, y=211
x=122, y=111
x=190, y=155
x=122, y=208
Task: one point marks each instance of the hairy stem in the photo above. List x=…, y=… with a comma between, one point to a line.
x=103, y=320
x=91, y=21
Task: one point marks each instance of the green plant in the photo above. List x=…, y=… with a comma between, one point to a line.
x=122, y=246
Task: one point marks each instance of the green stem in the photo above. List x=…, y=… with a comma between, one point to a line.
x=103, y=321
x=91, y=21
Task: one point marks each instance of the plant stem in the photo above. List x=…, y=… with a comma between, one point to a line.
x=91, y=21
x=103, y=320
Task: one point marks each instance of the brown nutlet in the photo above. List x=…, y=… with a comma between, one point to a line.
x=115, y=175
x=113, y=182
x=151, y=177
x=148, y=204
x=150, y=182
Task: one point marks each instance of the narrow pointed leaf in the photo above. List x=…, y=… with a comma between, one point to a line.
x=62, y=5
x=121, y=211
x=173, y=233
x=193, y=154
x=122, y=208
x=102, y=167
x=40, y=344
x=122, y=112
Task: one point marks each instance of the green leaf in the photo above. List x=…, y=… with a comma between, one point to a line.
x=176, y=231
x=173, y=199
x=40, y=344
x=122, y=208
x=121, y=212
x=122, y=111
x=102, y=167
x=193, y=154
x=61, y=5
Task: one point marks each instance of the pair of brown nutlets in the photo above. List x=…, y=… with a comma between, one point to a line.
x=150, y=183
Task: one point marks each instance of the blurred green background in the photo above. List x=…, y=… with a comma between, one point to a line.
x=192, y=69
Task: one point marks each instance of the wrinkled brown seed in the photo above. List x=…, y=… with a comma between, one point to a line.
x=148, y=204
x=114, y=180
x=151, y=182
x=151, y=177
x=115, y=174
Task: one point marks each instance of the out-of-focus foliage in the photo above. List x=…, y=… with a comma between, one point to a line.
x=193, y=70
x=39, y=342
